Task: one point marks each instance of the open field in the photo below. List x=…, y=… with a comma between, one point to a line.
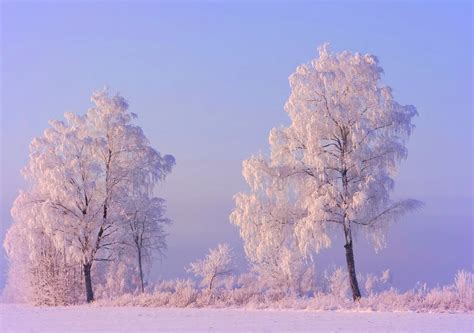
x=21, y=318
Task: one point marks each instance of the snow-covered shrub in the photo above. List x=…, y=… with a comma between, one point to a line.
x=240, y=296
x=228, y=282
x=246, y=291
x=373, y=283
x=217, y=264
x=464, y=286
x=116, y=278
x=370, y=283
x=338, y=283
x=184, y=293
x=440, y=299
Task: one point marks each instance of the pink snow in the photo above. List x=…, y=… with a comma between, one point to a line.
x=22, y=318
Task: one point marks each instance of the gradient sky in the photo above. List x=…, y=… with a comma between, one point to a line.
x=209, y=80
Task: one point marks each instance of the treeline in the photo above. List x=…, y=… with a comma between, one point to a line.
x=90, y=223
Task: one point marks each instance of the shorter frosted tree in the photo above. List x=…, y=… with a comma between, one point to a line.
x=217, y=264
x=80, y=172
x=40, y=273
x=267, y=219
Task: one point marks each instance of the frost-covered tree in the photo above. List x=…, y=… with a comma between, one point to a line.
x=266, y=219
x=218, y=263
x=39, y=272
x=80, y=171
x=115, y=278
x=144, y=229
x=332, y=168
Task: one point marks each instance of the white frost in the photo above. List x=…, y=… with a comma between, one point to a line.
x=16, y=318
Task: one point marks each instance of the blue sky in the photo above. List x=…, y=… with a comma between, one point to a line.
x=209, y=80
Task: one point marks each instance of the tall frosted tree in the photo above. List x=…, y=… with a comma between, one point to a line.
x=80, y=172
x=332, y=169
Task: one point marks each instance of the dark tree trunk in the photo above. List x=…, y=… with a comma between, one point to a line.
x=212, y=281
x=141, y=270
x=347, y=224
x=351, y=269
x=88, y=282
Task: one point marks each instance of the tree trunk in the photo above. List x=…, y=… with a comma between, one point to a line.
x=88, y=282
x=210, y=283
x=141, y=270
x=351, y=269
x=347, y=224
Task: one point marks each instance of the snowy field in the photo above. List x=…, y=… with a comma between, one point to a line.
x=18, y=318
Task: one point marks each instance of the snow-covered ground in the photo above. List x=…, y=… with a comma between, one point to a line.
x=20, y=318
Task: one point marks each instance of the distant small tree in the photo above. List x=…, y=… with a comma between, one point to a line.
x=145, y=232
x=218, y=263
